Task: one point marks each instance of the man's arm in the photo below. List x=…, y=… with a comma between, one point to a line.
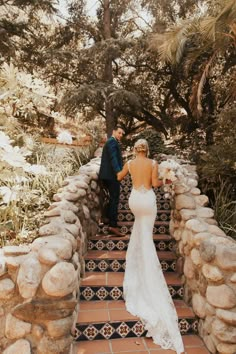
x=112, y=147
x=123, y=173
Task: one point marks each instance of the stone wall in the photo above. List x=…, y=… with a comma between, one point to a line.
x=39, y=283
x=207, y=262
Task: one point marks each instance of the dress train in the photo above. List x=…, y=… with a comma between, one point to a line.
x=145, y=291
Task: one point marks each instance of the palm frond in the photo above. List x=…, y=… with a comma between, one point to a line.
x=201, y=85
x=170, y=45
x=228, y=13
x=196, y=98
x=215, y=29
x=207, y=28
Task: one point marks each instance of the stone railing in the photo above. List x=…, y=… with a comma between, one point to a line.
x=39, y=283
x=207, y=262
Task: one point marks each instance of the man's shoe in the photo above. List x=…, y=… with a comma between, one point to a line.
x=115, y=231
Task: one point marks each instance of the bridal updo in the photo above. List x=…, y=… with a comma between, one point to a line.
x=141, y=145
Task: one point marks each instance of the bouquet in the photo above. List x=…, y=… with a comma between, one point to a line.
x=170, y=171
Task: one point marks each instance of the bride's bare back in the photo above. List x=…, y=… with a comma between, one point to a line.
x=144, y=172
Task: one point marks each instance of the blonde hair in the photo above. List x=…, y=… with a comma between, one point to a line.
x=141, y=145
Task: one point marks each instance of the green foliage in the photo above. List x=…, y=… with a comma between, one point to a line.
x=217, y=170
x=223, y=201
x=155, y=142
x=31, y=195
x=218, y=161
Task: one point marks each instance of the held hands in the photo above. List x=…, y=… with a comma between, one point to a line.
x=119, y=176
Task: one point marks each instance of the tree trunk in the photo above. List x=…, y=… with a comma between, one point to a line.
x=108, y=76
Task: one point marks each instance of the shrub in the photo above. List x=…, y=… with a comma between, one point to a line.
x=155, y=141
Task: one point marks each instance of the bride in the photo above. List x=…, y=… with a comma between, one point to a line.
x=145, y=290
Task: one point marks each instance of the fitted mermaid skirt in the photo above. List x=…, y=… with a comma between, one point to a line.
x=145, y=290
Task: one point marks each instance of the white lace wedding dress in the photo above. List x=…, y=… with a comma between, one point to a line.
x=145, y=290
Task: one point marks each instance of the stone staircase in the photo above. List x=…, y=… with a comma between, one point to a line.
x=104, y=326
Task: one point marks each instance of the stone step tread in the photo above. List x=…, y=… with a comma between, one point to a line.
x=100, y=255
x=93, y=312
x=192, y=345
x=116, y=279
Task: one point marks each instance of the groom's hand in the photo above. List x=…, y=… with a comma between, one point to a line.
x=118, y=175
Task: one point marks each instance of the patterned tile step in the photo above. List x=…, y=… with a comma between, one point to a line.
x=100, y=293
x=114, y=261
x=192, y=345
x=160, y=227
x=109, y=286
x=159, y=195
x=161, y=204
x=162, y=242
x=126, y=215
x=111, y=323
x=126, y=186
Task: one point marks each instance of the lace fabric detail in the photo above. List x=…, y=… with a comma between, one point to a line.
x=142, y=189
x=145, y=291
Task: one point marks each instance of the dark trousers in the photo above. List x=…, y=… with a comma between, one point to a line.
x=113, y=188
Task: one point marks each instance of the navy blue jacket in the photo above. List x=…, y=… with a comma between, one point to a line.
x=111, y=161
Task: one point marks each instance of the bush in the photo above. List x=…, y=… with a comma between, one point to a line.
x=26, y=192
x=217, y=171
x=155, y=141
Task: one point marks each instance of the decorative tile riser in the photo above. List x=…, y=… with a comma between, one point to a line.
x=159, y=195
x=100, y=293
x=121, y=245
x=126, y=329
x=160, y=227
x=161, y=205
x=128, y=216
x=118, y=265
x=126, y=186
x=125, y=193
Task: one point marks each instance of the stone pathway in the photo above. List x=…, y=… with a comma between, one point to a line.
x=104, y=326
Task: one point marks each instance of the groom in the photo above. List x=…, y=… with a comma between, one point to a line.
x=111, y=164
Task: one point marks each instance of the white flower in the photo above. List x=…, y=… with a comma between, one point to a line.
x=36, y=169
x=4, y=140
x=14, y=156
x=8, y=194
x=167, y=170
x=64, y=138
